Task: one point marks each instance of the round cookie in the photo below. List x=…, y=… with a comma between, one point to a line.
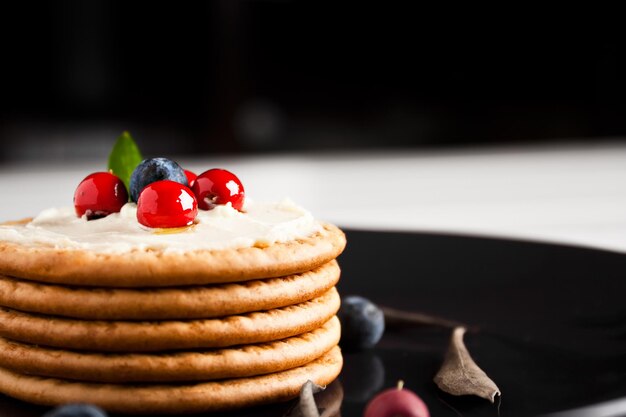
x=128, y=336
x=167, y=303
x=179, y=398
x=248, y=360
x=156, y=268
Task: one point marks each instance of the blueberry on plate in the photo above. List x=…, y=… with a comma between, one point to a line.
x=152, y=170
x=76, y=410
x=362, y=323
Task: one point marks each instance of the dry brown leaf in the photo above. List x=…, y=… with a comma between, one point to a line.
x=307, y=401
x=318, y=401
x=459, y=374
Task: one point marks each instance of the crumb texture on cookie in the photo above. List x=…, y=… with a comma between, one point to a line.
x=167, y=303
x=180, y=398
x=241, y=361
x=146, y=336
x=157, y=268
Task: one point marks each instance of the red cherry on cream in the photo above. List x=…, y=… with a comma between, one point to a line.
x=191, y=177
x=99, y=195
x=218, y=186
x=166, y=204
x=396, y=402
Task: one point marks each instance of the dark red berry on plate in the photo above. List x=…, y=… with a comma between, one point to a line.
x=191, y=177
x=218, y=186
x=396, y=402
x=99, y=195
x=166, y=204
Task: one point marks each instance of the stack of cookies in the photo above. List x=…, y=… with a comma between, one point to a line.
x=153, y=331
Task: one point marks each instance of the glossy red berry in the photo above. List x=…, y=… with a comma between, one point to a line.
x=218, y=186
x=166, y=204
x=191, y=177
x=99, y=195
x=396, y=402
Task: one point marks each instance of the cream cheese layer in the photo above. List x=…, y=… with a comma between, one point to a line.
x=223, y=227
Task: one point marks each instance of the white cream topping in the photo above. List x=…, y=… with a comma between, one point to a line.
x=220, y=228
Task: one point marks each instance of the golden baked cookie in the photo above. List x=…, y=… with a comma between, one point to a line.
x=175, y=398
x=157, y=268
x=167, y=303
x=205, y=365
x=145, y=336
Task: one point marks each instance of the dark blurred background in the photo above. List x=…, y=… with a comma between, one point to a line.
x=195, y=78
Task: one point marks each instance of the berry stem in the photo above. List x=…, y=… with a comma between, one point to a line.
x=400, y=384
x=395, y=317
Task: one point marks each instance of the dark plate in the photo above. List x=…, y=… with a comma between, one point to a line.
x=552, y=323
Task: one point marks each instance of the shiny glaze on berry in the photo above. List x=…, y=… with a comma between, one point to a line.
x=218, y=186
x=99, y=195
x=165, y=204
x=191, y=177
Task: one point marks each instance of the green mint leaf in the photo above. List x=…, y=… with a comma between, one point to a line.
x=124, y=158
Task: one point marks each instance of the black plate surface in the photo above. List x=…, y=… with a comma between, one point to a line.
x=551, y=319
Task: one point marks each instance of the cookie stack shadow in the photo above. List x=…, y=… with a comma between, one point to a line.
x=161, y=349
